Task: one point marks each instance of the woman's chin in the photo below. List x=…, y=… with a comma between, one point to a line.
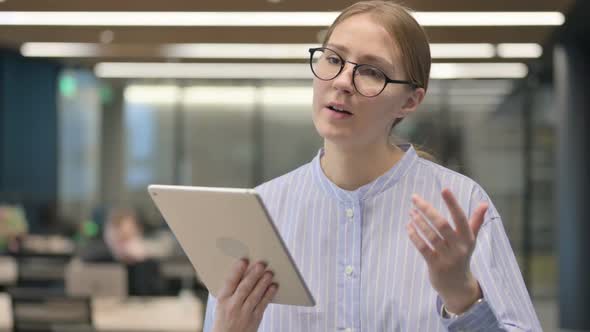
x=336, y=135
x=338, y=138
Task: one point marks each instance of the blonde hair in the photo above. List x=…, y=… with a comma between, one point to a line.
x=412, y=42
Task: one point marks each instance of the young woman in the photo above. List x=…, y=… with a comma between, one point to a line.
x=386, y=240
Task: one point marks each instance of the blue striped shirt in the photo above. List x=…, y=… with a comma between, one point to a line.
x=354, y=253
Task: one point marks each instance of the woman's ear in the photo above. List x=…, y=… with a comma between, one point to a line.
x=414, y=99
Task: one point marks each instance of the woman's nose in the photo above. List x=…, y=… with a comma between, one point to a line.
x=343, y=81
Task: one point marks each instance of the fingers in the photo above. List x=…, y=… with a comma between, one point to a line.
x=478, y=218
x=456, y=212
x=244, y=297
x=432, y=235
x=258, y=292
x=419, y=243
x=233, y=279
x=268, y=296
x=249, y=282
x=428, y=212
x=464, y=228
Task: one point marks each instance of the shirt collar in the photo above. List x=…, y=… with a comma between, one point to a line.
x=371, y=189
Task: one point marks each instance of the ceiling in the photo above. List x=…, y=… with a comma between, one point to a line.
x=141, y=43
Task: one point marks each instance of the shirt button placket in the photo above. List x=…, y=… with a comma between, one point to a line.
x=349, y=213
x=349, y=270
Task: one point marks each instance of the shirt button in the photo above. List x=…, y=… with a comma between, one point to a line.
x=348, y=270
x=349, y=213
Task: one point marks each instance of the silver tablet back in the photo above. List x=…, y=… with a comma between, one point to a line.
x=217, y=226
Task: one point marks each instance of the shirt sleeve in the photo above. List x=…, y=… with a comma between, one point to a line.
x=479, y=318
x=507, y=305
x=209, y=314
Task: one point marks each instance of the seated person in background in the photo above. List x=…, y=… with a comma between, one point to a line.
x=123, y=234
x=123, y=242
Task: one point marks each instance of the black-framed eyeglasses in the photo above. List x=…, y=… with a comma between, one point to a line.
x=368, y=80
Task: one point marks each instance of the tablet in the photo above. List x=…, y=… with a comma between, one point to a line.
x=217, y=226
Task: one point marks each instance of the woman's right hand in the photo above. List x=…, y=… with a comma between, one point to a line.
x=244, y=297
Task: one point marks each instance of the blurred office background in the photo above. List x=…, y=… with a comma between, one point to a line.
x=100, y=99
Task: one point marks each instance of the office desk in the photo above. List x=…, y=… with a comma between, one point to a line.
x=6, y=323
x=148, y=314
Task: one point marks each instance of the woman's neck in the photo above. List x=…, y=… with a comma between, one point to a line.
x=351, y=168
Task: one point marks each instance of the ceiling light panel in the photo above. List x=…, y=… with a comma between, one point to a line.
x=490, y=18
x=151, y=94
x=287, y=71
x=319, y=19
x=478, y=70
x=238, y=51
x=259, y=51
x=203, y=70
x=226, y=95
x=457, y=51
x=524, y=50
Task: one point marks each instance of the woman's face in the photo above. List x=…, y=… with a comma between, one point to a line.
x=360, y=39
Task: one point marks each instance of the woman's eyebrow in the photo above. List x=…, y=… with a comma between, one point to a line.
x=368, y=57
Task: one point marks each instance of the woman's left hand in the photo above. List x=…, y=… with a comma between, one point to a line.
x=449, y=256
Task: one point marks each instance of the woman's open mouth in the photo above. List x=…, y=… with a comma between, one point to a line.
x=338, y=113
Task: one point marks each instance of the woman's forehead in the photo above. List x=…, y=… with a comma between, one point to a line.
x=360, y=56
x=364, y=37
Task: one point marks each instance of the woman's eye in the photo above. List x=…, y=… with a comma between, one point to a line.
x=333, y=60
x=370, y=72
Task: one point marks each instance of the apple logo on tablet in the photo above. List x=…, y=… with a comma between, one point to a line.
x=232, y=247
